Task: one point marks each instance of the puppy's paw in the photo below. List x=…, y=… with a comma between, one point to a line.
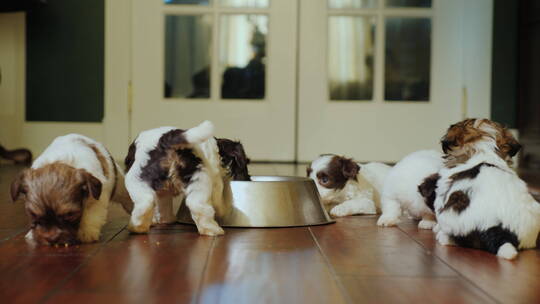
x=88, y=236
x=29, y=236
x=436, y=228
x=426, y=224
x=339, y=211
x=507, y=251
x=387, y=221
x=210, y=229
x=141, y=228
x=444, y=239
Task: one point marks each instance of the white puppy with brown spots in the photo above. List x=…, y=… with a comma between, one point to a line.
x=346, y=187
x=482, y=203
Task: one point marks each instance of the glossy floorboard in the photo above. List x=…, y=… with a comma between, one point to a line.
x=351, y=261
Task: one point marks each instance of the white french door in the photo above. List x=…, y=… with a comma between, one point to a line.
x=229, y=61
x=371, y=79
x=378, y=78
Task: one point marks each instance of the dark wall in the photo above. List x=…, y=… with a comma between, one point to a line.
x=65, y=61
x=529, y=82
x=504, y=62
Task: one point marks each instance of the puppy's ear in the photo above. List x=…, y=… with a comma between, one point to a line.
x=91, y=186
x=308, y=171
x=514, y=149
x=513, y=144
x=17, y=186
x=349, y=168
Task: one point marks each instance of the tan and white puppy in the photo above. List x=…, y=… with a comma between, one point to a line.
x=346, y=187
x=67, y=191
x=482, y=203
x=168, y=163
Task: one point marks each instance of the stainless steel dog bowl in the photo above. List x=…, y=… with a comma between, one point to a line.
x=269, y=201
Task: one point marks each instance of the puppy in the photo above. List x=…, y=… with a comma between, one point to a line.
x=412, y=183
x=67, y=191
x=410, y=186
x=167, y=164
x=346, y=188
x=482, y=203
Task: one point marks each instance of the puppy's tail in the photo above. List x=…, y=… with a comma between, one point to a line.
x=199, y=133
x=180, y=139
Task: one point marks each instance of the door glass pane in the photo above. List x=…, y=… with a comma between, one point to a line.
x=351, y=45
x=245, y=3
x=407, y=59
x=408, y=3
x=187, y=56
x=200, y=2
x=352, y=3
x=242, y=54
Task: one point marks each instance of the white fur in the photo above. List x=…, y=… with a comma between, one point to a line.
x=361, y=196
x=400, y=191
x=73, y=150
x=204, y=195
x=497, y=196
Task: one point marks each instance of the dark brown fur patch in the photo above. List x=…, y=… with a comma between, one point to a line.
x=469, y=173
x=428, y=189
x=115, y=176
x=338, y=172
x=234, y=158
x=170, y=166
x=130, y=157
x=54, y=196
x=458, y=201
x=309, y=170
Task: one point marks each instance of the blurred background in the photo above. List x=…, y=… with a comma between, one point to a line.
x=291, y=79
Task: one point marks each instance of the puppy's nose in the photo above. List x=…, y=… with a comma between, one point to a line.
x=52, y=236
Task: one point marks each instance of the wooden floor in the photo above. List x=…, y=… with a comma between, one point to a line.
x=351, y=261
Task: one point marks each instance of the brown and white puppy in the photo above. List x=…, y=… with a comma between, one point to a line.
x=460, y=141
x=480, y=201
x=167, y=164
x=67, y=191
x=346, y=188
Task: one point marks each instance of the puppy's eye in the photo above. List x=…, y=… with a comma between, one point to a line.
x=71, y=216
x=324, y=179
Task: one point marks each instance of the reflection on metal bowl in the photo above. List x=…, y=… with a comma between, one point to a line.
x=269, y=201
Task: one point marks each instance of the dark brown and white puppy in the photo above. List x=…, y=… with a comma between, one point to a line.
x=167, y=164
x=67, y=191
x=346, y=188
x=461, y=140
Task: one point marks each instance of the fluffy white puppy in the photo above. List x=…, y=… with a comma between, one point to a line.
x=346, y=187
x=68, y=189
x=482, y=203
x=168, y=163
x=410, y=187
